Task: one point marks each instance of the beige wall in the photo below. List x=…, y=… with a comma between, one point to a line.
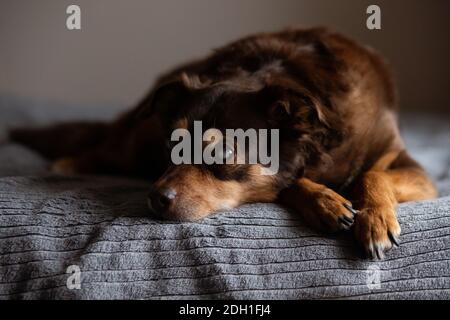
x=124, y=44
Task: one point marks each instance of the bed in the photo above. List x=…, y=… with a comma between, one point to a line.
x=52, y=226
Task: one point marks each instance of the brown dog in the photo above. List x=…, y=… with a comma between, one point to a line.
x=343, y=163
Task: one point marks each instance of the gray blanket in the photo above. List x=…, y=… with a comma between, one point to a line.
x=51, y=227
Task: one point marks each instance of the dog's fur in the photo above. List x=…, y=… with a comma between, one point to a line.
x=342, y=161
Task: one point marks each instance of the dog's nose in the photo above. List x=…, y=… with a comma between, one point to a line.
x=162, y=199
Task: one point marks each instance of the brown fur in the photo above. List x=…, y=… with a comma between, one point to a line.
x=335, y=105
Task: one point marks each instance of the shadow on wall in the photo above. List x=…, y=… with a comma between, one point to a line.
x=124, y=45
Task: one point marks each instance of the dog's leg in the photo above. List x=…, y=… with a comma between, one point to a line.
x=114, y=156
x=65, y=166
x=86, y=163
x=320, y=206
x=62, y=140
x=137, y=149
x=377, y=193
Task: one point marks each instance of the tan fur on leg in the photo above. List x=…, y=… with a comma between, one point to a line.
x=64, y=166
x=320, y=206
x=377, y=194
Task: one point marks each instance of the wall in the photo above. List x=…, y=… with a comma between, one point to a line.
x=124, y=45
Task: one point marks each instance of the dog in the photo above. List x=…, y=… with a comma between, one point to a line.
x=343, y=164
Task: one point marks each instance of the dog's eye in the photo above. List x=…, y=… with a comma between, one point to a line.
x=227, y=152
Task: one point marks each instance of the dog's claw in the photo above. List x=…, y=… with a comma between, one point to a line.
x=379, y=252
x=393, y=239
x=346, y=221
x=370, y=253
x=350, y=208
x=349, y=220
x=375, y=252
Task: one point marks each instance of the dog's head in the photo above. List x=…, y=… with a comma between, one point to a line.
x=239, y=93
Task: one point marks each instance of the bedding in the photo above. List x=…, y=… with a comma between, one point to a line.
x=101, y=225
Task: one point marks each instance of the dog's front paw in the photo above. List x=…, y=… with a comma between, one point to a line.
x=64, y=166
x=330, y=211
x=322, y=208
x=377, y=230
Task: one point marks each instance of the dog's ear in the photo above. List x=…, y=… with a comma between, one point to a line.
x=321, y=112
x=294, y=105
x=163, y=97
x=280, y=110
